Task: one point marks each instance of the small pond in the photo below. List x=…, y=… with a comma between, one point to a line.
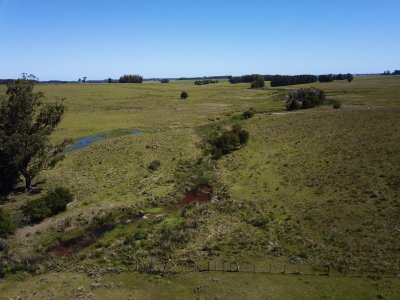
x=81, y=143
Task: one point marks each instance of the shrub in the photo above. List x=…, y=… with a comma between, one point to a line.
x=229, y=141
x=154, y=165
x=305, y=98
x=7, y=224
x=337, y=105
x=164, y=80
x=248, y=114
x=49, y=205
x=184, y=95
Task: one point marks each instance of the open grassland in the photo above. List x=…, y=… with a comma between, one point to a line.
x=314, y=187
x=198, y=286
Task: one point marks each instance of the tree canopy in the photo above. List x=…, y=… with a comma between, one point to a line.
x=26, y=124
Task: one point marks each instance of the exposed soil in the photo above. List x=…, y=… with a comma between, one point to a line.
x=200, y=195
x=77, y=244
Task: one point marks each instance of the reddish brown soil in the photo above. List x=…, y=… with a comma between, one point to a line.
x=203, y=194
x=77, y=244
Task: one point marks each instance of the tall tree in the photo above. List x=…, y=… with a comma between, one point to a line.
x=26, y=124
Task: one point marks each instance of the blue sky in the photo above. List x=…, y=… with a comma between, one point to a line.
x=68, y=39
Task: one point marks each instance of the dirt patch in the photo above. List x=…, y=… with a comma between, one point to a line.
x=77, y=244
x=200, y=194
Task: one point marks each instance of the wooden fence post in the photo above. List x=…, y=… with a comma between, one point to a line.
x=237, y=267
x=270, y=268
x=284, y=269
x=208, y=265
x=327, y=271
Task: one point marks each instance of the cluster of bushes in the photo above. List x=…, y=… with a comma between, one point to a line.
x=164, y=80
x=131, y=79
x=7, y=224
x=330, y=77
x=229, y=141
x=282, y=80
x=305, y=98
x=49, y=205
x=205, y=81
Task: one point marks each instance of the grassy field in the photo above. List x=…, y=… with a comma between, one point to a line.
x=313, y=187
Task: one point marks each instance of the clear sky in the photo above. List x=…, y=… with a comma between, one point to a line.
x=68, y=39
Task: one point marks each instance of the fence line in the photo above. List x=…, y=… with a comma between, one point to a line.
x=186, y=266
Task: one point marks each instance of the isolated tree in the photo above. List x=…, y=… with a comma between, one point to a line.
x=350, y=77
x=109, y=80
x=184, y=95
x=84, y=79
x=79, y=80
x=26, y=124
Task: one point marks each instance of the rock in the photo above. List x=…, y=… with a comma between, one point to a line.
x=96, y=285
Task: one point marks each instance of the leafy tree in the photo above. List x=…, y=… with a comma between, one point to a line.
x=26, y=124
x=84, y=79
x=79, y=80
x=109, y=80
x=350, y=77
x=184, y=95
x=258, y=82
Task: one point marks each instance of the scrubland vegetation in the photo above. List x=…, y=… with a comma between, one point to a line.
x=313, y=188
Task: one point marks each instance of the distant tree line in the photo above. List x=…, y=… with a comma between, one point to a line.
x=205, y=77
x=282, y=80
x=395, y=72
x=244, y=78
x=131, y=79
x=164, y=80
x=331, y=77
x=205, y=81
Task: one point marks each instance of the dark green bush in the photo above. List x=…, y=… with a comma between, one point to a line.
x=337, y=105
x=248, y=114
x=184, y=95
x=229, y=141
x=305, y=98
x=154, y=165
x=49, y=205
x=7, y=224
